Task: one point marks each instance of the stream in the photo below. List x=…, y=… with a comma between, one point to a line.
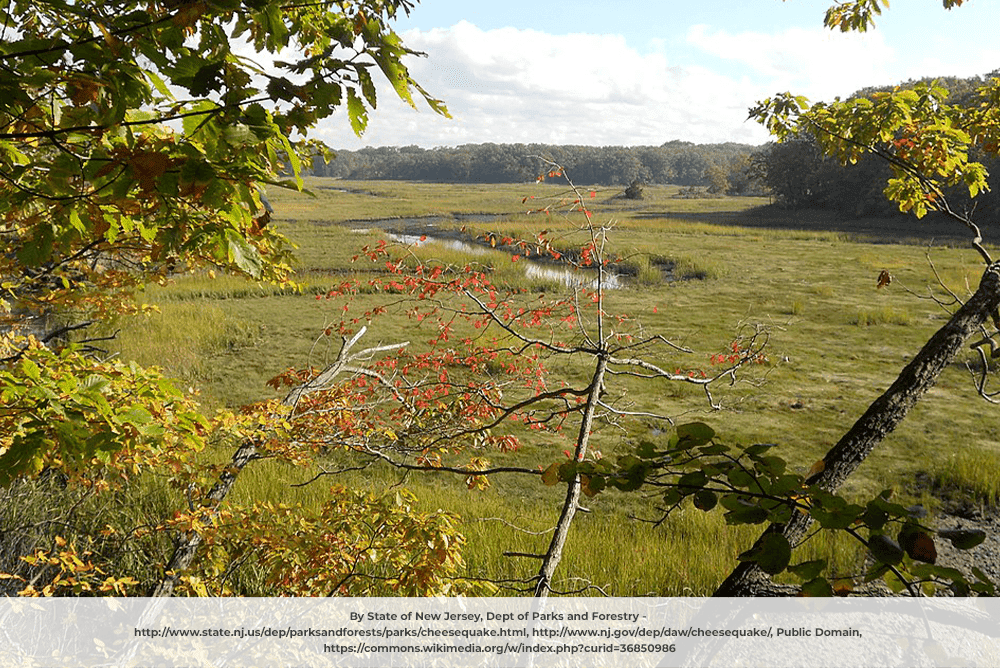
x=566, y=276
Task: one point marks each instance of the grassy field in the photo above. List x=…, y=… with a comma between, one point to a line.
x=836, y=342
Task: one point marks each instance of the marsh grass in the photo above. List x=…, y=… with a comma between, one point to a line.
x=182, y=336
x=35, y=512
x=971, y=473
x=883, y=315
x=844, y=345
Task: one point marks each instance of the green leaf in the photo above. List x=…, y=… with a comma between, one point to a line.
x=781, y=513
x=714, y=449
x=885, y=549
x=742, y=511
x=672, y=496
x=238, y=135
x=786, y=484
x=293, y=159
x=963, y=539
x=568, y=470
x=772, y=553
x=243, y=255
x=31, y=370
x=23, y=456
x=836, y=517
x=694, y=434
x=705, y=500
x=808, y=570
x=356, y=112
x=772, y=466
x=593, y=485
x=893, y=582
x=874, y=517
x=137, y=416
x=818, y=588
x=692, y=479
x=95, y=382
x=646, y=450
x=742, y=479
x=198, y=113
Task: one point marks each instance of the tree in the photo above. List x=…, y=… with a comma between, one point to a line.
x=100, y=193
x=135, y=141
x=928, y=145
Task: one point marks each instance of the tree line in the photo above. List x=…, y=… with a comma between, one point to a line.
x=723, y=168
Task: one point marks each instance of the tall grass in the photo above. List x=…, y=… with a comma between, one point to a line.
x=883, y=315
x=182, y=337
x=971, y=472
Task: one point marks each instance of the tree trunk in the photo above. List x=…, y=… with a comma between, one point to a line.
x=878, y=421
x=554, y=554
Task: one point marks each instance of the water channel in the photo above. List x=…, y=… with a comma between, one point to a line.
x=569, y=277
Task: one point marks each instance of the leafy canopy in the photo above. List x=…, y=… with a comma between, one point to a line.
x=134, y=139
x=133, y=135
x=929, y=144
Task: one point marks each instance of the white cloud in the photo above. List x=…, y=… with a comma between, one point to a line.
x=510, y=85
x=818, y=63
x=523, y=85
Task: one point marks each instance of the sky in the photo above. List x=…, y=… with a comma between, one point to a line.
x=644, y=72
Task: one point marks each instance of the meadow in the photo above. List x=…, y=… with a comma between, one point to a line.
x=695, y=270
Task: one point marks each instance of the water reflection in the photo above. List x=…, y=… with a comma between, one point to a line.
x=567, y=276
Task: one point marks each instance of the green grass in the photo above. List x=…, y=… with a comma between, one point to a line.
x=971, y=473
x=885, y=315
x=835, y=343
x=183, y=336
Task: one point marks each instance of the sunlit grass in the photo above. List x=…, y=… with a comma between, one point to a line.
x=973, y=472
x=885, y=315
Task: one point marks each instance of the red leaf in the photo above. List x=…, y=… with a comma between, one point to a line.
x=919, y=546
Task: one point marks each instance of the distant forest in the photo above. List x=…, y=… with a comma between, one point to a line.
x=721, y=167
x=794, y=173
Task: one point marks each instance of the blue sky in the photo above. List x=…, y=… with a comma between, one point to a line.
x=633, y=72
